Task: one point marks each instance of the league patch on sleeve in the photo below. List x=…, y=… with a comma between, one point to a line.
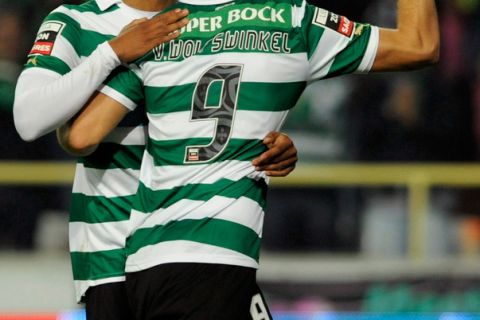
x=333, y=21
x=46, y=37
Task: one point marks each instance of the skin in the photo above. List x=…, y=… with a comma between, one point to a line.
x=416, y=40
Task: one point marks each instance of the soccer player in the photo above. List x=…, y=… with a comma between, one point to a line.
x=68, y=62
x=210, y=96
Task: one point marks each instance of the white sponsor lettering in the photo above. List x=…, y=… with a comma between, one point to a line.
x=334, y=18
x=346, y=25
x=277, y=15
x=41, y=47
x=233, y=16
x=203, y=24
x=265, y=14
x=43, y=36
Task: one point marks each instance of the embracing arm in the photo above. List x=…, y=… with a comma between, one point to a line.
x=97, y=119
x=415, y=42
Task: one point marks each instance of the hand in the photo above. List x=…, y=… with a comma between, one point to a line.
x=280, y=158
x=142, y=35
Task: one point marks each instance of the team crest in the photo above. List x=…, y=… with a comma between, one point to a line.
x=46, y=37
x=333, y=21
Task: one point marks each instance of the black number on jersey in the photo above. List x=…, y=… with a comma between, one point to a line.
x=220, y=81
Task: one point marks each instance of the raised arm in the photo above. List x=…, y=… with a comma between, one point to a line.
x=415, y=42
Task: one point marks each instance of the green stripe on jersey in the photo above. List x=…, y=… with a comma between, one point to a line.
x=48, y=62
x=99, y=209
x=150, y=200
x=172, y=152
x=349, y=59
x=255, y=96
x=112, y=156
x=98, y=265
x=127, y=83
x=220, y=233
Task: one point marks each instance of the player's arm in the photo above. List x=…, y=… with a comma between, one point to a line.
x=416, y=40
x=280, y=158
x=40, y=90
x=81, y=135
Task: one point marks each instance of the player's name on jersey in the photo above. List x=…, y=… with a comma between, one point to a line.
x=206, y=24
x=239, y=40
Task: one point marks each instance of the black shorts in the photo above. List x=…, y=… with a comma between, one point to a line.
x=196, y=291
x=108, y=302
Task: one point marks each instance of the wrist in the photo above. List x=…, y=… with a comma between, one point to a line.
x=116, y=50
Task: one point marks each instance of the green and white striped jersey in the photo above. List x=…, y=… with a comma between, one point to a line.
x=211, y=97
x=106, y=181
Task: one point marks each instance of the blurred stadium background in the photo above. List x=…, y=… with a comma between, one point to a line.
x=381, y=219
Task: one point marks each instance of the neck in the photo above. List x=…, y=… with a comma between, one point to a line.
x=149, y=5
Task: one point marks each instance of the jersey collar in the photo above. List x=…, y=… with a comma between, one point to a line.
x=105, y=4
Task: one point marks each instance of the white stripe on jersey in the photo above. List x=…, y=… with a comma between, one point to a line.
x=243, y=211
x=61, y=46
x=371, y=52
x=185, y=251
x=110, y=23
x=107, y=183
x=121, y=98
x=297, y=14
x=92, y=237
x=128, y=136
x=258, y=67
x=322, y=59
x=177, y=125
x=167, y=177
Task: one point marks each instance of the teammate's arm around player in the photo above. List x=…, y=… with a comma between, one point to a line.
x=416, y=40
x=103, y=114
x=37, y=89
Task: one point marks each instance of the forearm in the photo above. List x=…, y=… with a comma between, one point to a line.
x=45, y=100
x=94, y=122
x=63, y=138
x=416, y=40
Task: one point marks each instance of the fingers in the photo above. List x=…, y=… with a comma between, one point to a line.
x=171, y=16
x=278, y=166
x=281, y=169
x=271, y=137
x=281, y=173
x=166, y=29
x=280, y=148
x=280, y=159
x=172, y=27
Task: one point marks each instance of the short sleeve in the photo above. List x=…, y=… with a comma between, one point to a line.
x=57, y=44
x=337, y=45
x=124, y=86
